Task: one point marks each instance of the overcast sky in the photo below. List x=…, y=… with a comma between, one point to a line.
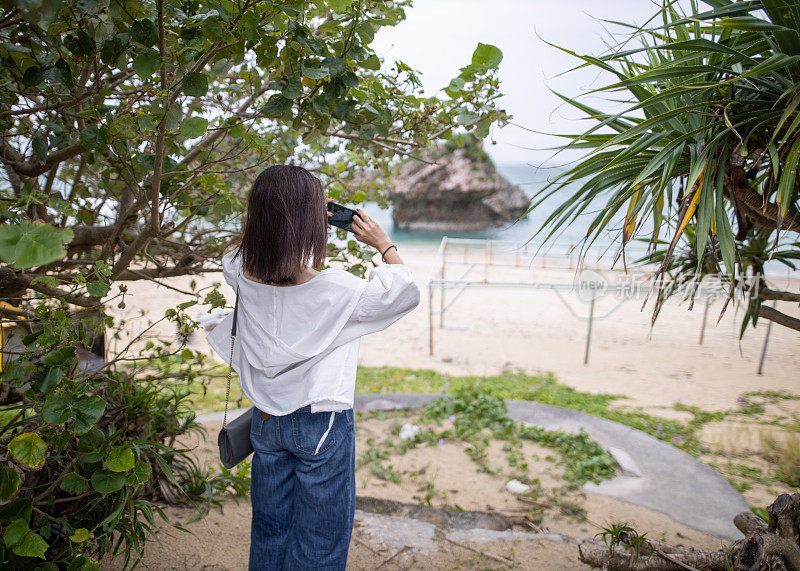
x=439, y=36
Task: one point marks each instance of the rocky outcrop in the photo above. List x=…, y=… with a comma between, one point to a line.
x=461, y=191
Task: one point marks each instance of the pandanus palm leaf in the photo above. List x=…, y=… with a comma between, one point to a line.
x=709, y=134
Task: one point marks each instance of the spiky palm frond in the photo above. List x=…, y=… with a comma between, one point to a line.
x=711, y=126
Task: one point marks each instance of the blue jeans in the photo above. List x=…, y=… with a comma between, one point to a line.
x=303, y=490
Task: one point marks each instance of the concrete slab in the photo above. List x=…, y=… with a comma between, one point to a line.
x=390, y=401
x=626, y=464
x=398, y=532
x=672, y=482
x=419, y=536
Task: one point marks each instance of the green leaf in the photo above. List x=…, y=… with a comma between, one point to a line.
x=28, y=449
x=83, y=563
x=24, y=542
x=456, y=85
x=33, y=76
x=123, y=126
x=9, y=483
x=339, y=5
x=194, y=127
x=80, y=535
x=16, y=509
x=145, y=122
x=293, y=88
x=172, y=120
x=335, y=65
x=482, y=127
x=80, y=44
x=47, y=280
x=276, y=105
x=97, y=289
x=26, y=244
x=120, y=459
x=91, y=446
x=350, y=79
x=213, y=29
x=146, y=64
x=372, y=62
x=331, y=26
x=195, y=84
x=53, y=377
x=84, y=412
x=344, y=110
x=107, y=482
x=786, y=185
x=88, y=412
x=366, y=32
x=140, y=474
x=144, y=31
x=486, y=56
x=113, y=48
x=314, y=72
x=467, y=118
x=93, y=137
x=74, y=484
x=60, y=357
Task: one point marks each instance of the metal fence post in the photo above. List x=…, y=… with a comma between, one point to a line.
x=430, y=319
x=766, y=341
x=441, y=289
x=705, y=316
x=589, y=332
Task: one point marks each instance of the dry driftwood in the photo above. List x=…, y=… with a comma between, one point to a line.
x=777, y=546
x=677, y=559
x=772, y=546
x=748, y=522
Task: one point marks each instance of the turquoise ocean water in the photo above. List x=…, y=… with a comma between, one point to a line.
x=531, y=179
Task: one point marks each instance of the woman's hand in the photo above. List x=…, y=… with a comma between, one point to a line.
x=327, y=200
x=368, y=231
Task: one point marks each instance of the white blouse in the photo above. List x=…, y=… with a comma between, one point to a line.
x=298, y=345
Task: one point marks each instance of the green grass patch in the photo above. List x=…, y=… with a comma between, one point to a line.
x=539, y=388
x=473, y=410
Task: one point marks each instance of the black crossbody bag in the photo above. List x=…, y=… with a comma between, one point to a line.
x=234, y=438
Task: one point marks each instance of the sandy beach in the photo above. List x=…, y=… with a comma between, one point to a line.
x=489, y=330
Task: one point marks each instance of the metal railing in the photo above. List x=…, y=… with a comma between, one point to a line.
x=466, y=256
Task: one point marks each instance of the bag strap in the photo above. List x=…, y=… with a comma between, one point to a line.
x=230, y=363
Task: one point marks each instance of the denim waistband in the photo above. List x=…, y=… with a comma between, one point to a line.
x=301, y=410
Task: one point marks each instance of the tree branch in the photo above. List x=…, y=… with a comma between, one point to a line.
x=755, y=206
x=211, y=138
x=16, y=161
x=11, y=279
x=768, y=294
x=778, y=317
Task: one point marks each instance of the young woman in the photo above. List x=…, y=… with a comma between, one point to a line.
x=296, y=352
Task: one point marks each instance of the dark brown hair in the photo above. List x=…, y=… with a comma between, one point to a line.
x=285, y=225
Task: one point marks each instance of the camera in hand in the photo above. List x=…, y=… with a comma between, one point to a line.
x=342, y=216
